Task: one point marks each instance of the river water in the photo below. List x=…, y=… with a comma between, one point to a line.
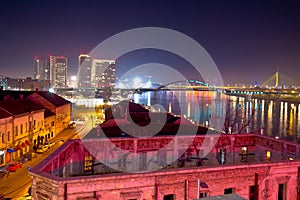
x=210, y=108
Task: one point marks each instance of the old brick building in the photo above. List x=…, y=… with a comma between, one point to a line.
x=28, y=119
x=121, y=161
x=145, y=168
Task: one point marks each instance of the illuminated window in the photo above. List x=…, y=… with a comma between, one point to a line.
x=244, y=150
x=268, y=154
x=88, y=163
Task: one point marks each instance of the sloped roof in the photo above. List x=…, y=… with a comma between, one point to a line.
x=114, y=122
x=12, y=94
x=144, y=123
x=48, y=113
x=55, y=99
x=20, y=106
x=4, y=114
x=124, y=128
x=123, y=108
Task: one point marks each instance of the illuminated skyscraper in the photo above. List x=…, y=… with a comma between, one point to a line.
x=58, y=71
x=84, y=71
x=41, y=68
x=103, y=73
x=95, y=73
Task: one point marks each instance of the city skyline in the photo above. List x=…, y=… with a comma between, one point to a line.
x=242, y=38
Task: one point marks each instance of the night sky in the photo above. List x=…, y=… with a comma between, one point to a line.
x=248, y=40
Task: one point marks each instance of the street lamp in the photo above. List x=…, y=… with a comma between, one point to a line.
x=207, y=117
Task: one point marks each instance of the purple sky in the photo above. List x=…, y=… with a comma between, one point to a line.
x=247, y=40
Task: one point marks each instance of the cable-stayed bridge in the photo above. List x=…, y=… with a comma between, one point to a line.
x=279, y=80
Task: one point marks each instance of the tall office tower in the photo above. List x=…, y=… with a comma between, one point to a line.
x=58, y=71
x=103, y=73
x=46, y=69
x=41, y=68
x=84, y=71
x=37, y=64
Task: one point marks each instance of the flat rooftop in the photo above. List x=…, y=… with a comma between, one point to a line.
x=101, y=156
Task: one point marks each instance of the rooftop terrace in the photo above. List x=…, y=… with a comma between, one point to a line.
x=101, y=156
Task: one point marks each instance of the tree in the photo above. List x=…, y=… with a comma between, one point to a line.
x=234, y=117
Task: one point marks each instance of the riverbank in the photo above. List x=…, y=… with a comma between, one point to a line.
x=271, y=97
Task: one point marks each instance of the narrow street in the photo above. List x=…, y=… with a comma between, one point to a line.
x=15, y=185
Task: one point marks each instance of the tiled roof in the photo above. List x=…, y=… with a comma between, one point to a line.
x=55, y=99
x=4, y=114
x=11, y=94
x=144, y=123
x=20, y=106
x=122, y=108
x=48, y=113
x=114, y=122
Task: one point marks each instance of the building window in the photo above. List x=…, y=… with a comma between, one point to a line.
x=3, y=138
x=203, y=194
x=21, y=129
x=229, y=190
x=143, y=161
x=282, y=192
x=52, y=123
x=16, y=130
x=252, y=192
x=88, y=162
x=170, y=197
x=8, y=136
x=268, y=155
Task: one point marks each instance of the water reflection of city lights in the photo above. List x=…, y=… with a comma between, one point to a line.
x=292, y=106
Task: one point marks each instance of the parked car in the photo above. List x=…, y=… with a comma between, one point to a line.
x=30, y=155
x=41, y=149
x=72, y=125
x=13, y=166
x=49, y=144
x=3, y=173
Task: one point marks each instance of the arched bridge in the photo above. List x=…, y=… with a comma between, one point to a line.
x=179, y=85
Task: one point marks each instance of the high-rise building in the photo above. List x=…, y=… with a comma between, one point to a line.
x=41, y=68
x=84, y=71
x=103, y=73
x=95, y=73
x=58, y=71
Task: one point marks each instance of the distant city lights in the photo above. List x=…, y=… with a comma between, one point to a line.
x=51, y=90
